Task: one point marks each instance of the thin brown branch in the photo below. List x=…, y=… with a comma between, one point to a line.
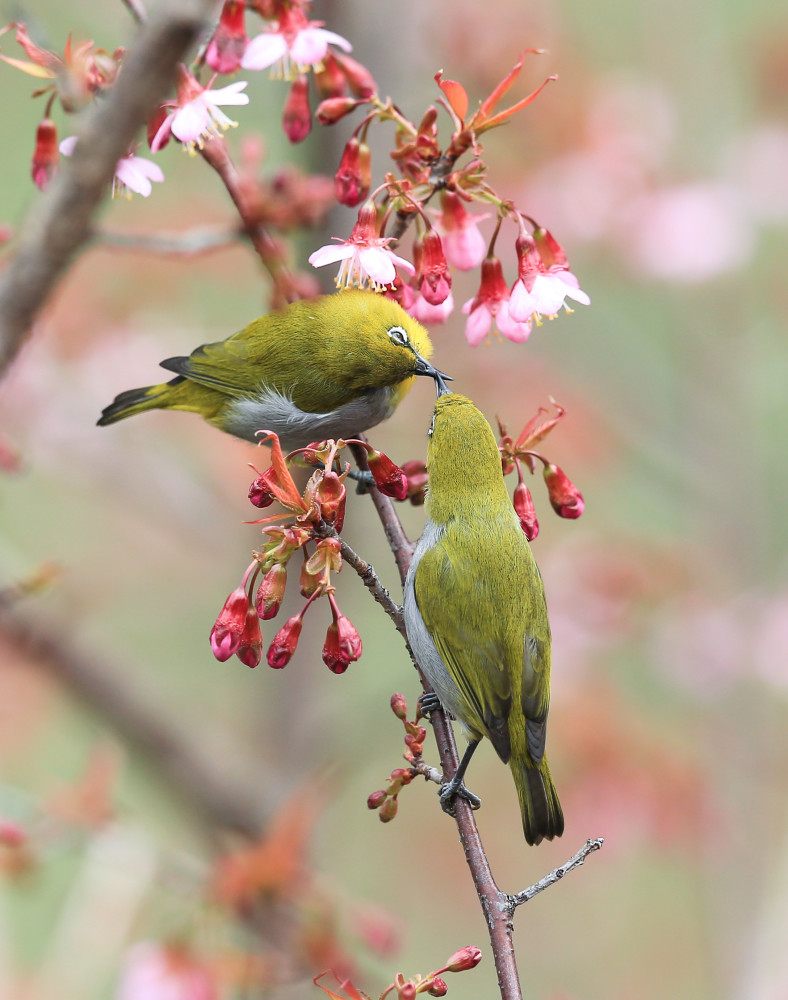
x=194, y=242
x=61, y=222
x=214, y=791
x=556, y=874
x=215, y=153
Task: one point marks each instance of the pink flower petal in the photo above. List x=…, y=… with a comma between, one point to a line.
x=311, y=44
x=231, y=94
x=401, y=262
x=66, y=147
x=478, y=325
x=331, y=254
x=264, y=50
x=512, y=329
x=162, y=134
x=521, y=304
x=137, y=173
x=190, y=121
x=378, y=264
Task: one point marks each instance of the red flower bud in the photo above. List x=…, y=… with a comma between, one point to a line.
x=271, y=591
x=45, y=154
x=389, y=478
x=229, y=627
x=285, y=642
x=334, y=108
x=228, y=43
x=434, y=280
x=250, y=651
x=354, y=175
x=416, y=473
x=525, y=510
x=259, y=492
x=466, y=958
x=359, y=78
x=342, y=646
x=565, y=497
x=297, y=118
x=438, y=988
x=330, y=80
x=399, y=706
x=376, y=799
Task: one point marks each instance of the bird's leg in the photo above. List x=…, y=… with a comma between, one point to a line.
x=456, y=787
x=429, y=702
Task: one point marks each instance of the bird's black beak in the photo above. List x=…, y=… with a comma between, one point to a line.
x=423, y=367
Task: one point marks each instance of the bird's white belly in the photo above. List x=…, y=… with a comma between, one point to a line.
x=272, y=411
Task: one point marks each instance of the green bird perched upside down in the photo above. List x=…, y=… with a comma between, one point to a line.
x=475, y=611
x=322, y=368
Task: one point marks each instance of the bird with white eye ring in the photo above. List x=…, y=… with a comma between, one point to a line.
x=327, y=367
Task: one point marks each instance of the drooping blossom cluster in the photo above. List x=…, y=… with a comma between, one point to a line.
x=319, y=516
x=565, y=498
x=451, y=237
x=433, y=984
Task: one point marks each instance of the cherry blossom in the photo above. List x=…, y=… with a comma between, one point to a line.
x=132, y=173
x=198, y=116
x=294, y=42
x=492, y=302
x=365, y=257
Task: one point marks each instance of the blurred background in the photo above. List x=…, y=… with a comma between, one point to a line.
x=660, y=161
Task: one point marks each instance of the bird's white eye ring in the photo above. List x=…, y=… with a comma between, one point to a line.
x=398, y=335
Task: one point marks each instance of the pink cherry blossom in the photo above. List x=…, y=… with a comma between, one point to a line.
x=427, y=313
x=132, y=173
x=492, y=303
x=160, y=972
x=293, y=42
x=463, y=243
x=365, y=257
x=542, y=286
x=198, y=116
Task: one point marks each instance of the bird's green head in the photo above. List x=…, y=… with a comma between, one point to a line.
x=371, y=342
x=463, y=461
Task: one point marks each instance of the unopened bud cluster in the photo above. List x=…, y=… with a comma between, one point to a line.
x=386, y=799
x=319, y=514
x=565, y=498
x=407, y=989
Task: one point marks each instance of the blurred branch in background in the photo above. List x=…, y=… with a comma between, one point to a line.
x=213, y=790
x=61, y=224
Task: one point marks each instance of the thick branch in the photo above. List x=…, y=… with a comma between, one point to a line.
x=192, y=243
x=61, y=223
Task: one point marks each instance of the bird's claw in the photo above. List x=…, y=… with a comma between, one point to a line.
x=452, y=790
x=429, y=702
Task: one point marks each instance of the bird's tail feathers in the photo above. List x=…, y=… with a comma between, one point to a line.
x=151, y=397
x=541, y=811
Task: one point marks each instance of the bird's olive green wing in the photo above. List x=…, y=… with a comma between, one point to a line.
x=467, y=635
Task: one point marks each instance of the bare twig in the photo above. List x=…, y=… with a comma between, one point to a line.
x=60, y=225
x=556, y=874
x=200, y=240
x=216, y=154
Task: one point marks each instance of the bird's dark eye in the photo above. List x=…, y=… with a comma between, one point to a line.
x=398, y=335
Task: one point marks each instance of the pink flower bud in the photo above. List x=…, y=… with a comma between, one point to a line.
x=388, y=810
x=229, y=627
x=389, y=478
x=228, y=43
x=416, y=473
x=335, y=108
x=408, y=990
x=434, y=280
x=399, y=706
x=525, y=510
x=45, y=154
x=353, y=177
x=297, y=118
x=285, y=642
x=342, y=645
x=565, y=497
x=271, y=591
x=376, y=799
x=250, y=651
x=466, y=958
x=438, y=988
